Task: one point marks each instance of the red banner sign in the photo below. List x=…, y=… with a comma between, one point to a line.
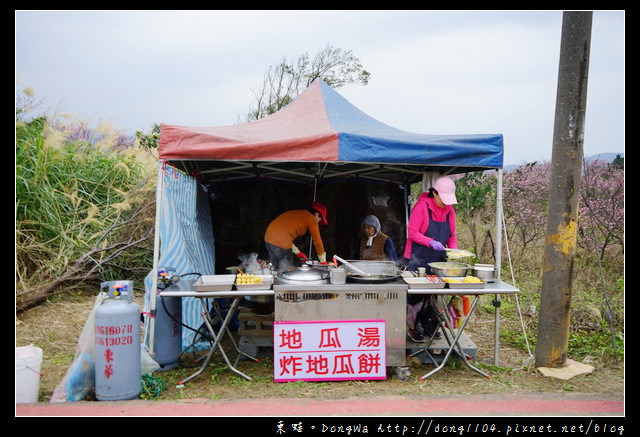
x=329, y=350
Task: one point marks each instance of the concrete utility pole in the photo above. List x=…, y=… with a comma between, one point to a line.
x=564, y=190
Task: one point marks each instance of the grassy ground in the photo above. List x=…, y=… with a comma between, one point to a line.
x=56, y=326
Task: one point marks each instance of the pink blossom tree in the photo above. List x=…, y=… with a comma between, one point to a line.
x=525, y=197
x=601, y=220
x=476, y=208
x=601, y=214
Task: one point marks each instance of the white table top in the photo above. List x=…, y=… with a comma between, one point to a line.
x=205, y=294
x=497, y=287
x=185, y=288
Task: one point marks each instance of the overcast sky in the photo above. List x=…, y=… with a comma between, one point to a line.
x=432, y=72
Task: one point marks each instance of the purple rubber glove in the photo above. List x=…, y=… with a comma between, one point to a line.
x=436, y=245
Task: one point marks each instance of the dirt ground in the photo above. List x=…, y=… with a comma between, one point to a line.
x=55, y=327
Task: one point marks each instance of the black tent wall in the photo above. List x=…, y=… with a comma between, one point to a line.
x=241, y=211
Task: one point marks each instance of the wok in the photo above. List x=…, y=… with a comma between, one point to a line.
x=371, y=279
x=370, y=272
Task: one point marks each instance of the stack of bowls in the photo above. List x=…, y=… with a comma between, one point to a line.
x=486, y=272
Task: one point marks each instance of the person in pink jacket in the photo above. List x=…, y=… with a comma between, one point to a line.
x=432, y=226
x=431, y=229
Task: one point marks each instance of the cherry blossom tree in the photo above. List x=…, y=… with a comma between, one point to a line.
x=601, y=214
x=525, y=198
x=601, y=220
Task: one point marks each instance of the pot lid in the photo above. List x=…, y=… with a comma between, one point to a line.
x=304, y=273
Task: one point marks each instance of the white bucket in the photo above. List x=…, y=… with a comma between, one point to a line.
x=28, y=360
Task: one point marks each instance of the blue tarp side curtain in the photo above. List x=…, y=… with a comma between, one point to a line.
x=187, y=245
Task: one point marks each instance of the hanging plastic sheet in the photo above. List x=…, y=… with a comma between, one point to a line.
x=187, y=242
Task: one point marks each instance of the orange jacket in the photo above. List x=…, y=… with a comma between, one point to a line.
x=289, y=225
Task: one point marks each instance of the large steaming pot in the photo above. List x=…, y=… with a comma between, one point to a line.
x=303, y=275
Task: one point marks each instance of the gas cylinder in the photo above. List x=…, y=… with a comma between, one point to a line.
x=167, y=343
x=117, y=344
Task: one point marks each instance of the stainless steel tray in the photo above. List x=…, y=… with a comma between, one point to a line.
x=214, y=283
x=266, y=284
x=452, y=284
x=425, y=282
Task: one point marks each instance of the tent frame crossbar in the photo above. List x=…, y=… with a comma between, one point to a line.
x=309, y=171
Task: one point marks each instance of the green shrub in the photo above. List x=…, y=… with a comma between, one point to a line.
x=82, y=208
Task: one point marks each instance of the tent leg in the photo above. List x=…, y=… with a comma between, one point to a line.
x=156, y=256
x=407, y=192
x=496, y=356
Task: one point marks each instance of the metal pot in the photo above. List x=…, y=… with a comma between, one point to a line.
x=261, y=305
x=449, y=269
x=486, y=272
x=303, y=275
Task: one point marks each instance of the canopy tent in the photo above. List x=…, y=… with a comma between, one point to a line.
x=318, y=140
x=320, y=134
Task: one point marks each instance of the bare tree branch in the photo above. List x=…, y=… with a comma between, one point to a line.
x=283, y=82
x=86, y=267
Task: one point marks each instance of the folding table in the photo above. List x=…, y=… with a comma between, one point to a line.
x=186, y=289
x=453, y=336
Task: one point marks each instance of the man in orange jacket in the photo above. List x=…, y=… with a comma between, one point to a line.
x=288, y=226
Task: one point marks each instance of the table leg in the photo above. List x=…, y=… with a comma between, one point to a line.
x=206, y=317
x=425, y=349
x=217, y=340
x=233, y=341
x=454, y=343
x=442, y=326
x=457, y=344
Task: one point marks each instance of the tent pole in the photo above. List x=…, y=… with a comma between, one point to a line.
x=156, y=255
x=496, y=357
x=407, y=194
x=315, y=192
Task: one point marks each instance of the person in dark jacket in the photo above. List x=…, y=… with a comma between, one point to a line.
x=374, y=244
